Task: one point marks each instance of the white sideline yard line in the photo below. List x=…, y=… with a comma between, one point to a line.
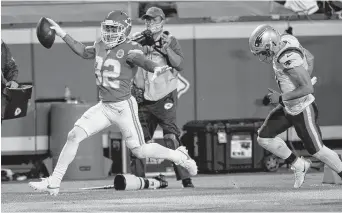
x=189, y=31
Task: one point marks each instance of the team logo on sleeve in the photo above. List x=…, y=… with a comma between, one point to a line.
x=120, y=53
x=287, y=63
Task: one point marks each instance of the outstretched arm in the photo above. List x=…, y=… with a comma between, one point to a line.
x=86, y=52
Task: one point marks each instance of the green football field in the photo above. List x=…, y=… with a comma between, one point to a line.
x=213, y=193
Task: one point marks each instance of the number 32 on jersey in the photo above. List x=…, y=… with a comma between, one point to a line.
x=107, y=71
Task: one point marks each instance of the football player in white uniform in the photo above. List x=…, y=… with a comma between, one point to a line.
x=292, y=65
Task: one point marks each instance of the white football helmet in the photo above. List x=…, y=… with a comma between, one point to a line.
x=264, y=42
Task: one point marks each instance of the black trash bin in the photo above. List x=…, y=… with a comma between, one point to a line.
x=224, y=145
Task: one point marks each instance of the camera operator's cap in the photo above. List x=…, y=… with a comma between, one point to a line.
x=154, y=12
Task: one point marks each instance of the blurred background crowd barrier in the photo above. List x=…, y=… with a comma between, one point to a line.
x=221, y=79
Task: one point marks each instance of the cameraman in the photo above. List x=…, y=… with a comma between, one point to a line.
x=9, y=74
x=158, y=98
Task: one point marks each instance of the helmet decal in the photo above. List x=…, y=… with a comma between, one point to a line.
x=258, y=41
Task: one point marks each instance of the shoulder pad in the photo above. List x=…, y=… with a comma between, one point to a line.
x=291, y=44
x=290, y=41
x=290, y=38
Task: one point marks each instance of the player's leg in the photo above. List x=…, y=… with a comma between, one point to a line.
x=166, y=111
x=91, y=122
x=276, y=123
x=149, y=124
x=132, y=131
x=309, y=132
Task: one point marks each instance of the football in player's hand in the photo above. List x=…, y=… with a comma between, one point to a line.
x=45, y=35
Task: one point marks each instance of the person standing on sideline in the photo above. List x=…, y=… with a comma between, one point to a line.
x=157, y=97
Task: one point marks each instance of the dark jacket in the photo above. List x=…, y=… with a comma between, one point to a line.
x=9, y=69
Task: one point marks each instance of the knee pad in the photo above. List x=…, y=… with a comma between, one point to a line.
x=72, y=135
x=267, y=142
x=139, y=152
x=275, y=145
x=171, y=141
x=76, y=135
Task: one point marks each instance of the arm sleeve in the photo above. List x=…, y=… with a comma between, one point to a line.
x=86, y=52
x=10, y=67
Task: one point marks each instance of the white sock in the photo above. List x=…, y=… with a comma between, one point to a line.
x=275, y=145
x=155, y=150
x=298, y=163
x=330, y=158
x=65, y=158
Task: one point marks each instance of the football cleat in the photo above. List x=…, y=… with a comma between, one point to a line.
x=300, y=168
x=45, y=186
x=187, y=162
x=187, y=183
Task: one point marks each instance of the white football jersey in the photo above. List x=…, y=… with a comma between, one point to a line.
x=290, y=56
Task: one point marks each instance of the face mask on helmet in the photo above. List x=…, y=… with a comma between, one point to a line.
x=112, y=33
x=154, y=24
x=266, y=55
